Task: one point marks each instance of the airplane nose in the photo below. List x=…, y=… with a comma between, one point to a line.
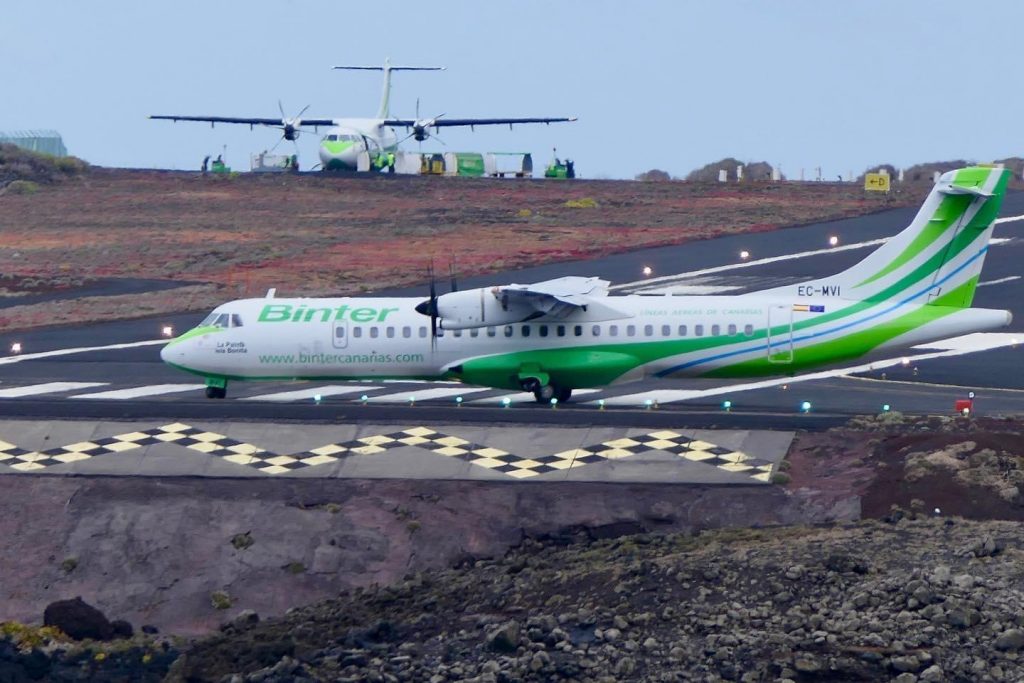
x=164, y=355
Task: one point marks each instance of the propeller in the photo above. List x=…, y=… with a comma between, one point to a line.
x=421, y=127
x=429, y=307
x=291, y=125
x=451, y=275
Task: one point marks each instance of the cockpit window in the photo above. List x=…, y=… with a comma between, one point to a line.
x=332, y=138
x=224, y=320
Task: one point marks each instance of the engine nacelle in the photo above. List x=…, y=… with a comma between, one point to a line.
x=479, y=308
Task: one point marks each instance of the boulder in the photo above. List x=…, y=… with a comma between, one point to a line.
x=78, y=619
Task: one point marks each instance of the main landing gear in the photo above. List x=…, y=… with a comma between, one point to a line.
x=544, y=393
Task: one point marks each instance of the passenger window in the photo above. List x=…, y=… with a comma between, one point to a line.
x=543, y=330
x=423, y=331
x=732, y=330
x=390, y=332
x=526, y=330
x=698, y=330
x=236, y=320
x=648, y=330
x=374, y=332
x=509, y=331
x=578, y=330
x=682, y=330
x=613, y=330
x=595, y=330
x=357, y=332
x=339, y=332
x=748, y=330
x=630, y=330
x=491, y=331
x=560, y=330
x=666, y=330
x=407, y=332
x=716, y=330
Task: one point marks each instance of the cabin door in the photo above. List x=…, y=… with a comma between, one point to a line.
x=780, y=334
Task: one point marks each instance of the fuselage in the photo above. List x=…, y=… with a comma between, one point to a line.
x=662, y=336
x=341, y=146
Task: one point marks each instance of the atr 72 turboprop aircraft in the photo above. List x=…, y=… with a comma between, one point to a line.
x=348, y=138
x=555, y=336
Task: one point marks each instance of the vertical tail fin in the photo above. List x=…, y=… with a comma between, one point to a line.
x=938, y=258
x=384, y=110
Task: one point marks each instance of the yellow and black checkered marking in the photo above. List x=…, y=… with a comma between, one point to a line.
x=516, y=466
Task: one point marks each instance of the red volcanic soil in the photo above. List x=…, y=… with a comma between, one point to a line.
x=229, y=235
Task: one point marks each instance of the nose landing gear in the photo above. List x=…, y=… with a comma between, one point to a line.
x=216, y=388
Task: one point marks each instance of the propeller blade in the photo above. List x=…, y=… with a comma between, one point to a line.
x=280, y=108
x=433, y=309
x=451, y=274
x=299, y=115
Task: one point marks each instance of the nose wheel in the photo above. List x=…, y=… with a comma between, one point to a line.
x=216, y=392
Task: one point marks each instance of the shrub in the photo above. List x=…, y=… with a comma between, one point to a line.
x=583, y=203
x=22, y=187
x=220, y=600
x=242, y=541
x=781, y=478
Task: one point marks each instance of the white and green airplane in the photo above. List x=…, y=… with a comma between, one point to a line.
x=348, y=138
x=553, y=337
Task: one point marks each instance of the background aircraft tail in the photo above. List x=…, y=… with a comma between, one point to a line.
x=383, y=111
x=938, y=258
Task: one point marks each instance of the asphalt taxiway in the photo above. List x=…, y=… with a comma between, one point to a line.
x=123, y=377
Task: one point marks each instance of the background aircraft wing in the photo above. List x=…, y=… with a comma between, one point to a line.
x=441, y=122
x=242, y=119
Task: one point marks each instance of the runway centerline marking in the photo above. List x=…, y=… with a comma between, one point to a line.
x=999, y=281
x=139, y=392
x=311, y=393
x=47, y=388
x=80, y=349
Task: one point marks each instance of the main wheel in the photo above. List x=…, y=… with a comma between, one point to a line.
x=544, y=394
x=563, y=394
x=216, y=392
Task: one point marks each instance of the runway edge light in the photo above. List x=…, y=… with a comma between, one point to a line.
x=805, y=407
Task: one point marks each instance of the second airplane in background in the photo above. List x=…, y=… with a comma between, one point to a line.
x=348, y=138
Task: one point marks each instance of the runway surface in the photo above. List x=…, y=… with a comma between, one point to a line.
x=113, y=370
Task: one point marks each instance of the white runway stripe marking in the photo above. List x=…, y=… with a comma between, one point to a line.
x=426, y=395
x=999, y=281
x=81, y=349
x=1010, y=219
x=139, y=392
x=309, y=394
x=646, y=282
x=956, y=346
x=48, y=388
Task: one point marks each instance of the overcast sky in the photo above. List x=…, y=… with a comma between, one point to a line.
x=670, y=85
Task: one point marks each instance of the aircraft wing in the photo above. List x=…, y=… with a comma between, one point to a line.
x=441, y=122
x=558, y=297
x=241, y=119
